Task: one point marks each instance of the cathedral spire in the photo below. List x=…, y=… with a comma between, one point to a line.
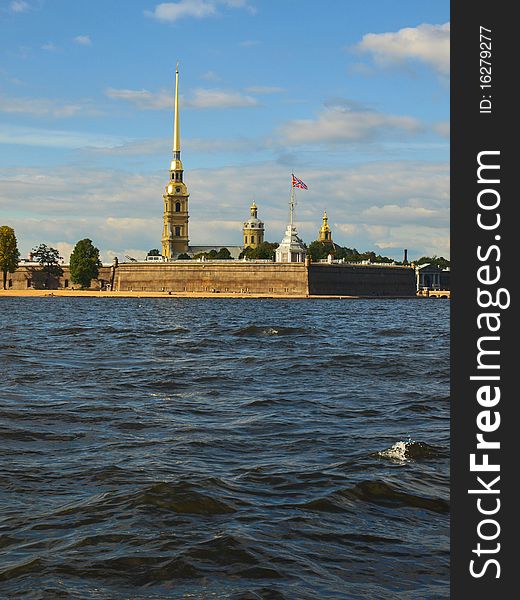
x=175, y=230
x=176, y=125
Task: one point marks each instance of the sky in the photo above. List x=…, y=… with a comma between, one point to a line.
x=351, y=96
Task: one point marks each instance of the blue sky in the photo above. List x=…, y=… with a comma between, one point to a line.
x=352, y=96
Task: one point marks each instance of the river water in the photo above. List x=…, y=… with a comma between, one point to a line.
x=241, y=449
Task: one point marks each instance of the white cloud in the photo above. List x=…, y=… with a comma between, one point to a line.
x=345, y=228
x=172, y=11
x=169, y=12
x=83, y=40
x=49, y=46
x=264, y=89
x=143, y=99
x=65, y=249
x=203, y=98
x=210, y=76
x=219, y=145
x=144, y=147
x=55, y=138
x=393, y=213
x=426, y=43
x=346, y=123
x=19, y=6
x=375, y=205
x=39, y=107
x=442, y=128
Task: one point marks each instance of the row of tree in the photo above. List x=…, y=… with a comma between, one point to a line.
x=320, y=250
x=220, y=254
x=84, y=260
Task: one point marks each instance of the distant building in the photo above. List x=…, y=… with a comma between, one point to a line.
x=325, y=233
x=253, y=229
x=291, y=248
x=431, y=277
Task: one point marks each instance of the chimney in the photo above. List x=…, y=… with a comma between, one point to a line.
x=405, y=259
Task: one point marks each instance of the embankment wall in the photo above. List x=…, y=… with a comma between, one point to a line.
x=361, y=280
x=211, y=276
x=235, y=277
x=33, y=276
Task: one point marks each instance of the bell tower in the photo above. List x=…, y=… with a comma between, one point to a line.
x=175, y=230
x=253, y=230
x=325, y=234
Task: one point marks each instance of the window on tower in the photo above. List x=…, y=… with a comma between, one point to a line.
x=177, y=231
x=252, y=239
x=177, y=207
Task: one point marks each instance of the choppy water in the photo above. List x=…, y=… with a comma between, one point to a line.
x=241, y=449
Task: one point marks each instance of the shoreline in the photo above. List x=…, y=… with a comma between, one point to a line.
x=145, y=294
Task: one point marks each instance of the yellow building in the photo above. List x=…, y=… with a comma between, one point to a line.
x=175, y=231
x=253, y=229
x=325, y=234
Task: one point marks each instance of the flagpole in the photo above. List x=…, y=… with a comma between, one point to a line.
x=291, y=202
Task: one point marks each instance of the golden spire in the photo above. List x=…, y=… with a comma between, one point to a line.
x=325, y=234
x=176, y=128
x=175, y=238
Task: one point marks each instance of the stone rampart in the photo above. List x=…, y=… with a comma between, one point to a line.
x=234, y=277
x=360, y=280
x=213, y=276
x=28, y=277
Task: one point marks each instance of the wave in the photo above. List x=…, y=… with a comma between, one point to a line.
x=411, y=450
x=391, y=332
x=181, y=498
x=257, y=330
x=384, y=493
x=376, y=492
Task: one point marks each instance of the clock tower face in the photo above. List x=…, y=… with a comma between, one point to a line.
x=176, y=189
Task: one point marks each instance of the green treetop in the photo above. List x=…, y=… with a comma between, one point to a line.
x=264, y=251
x=49, y=259
x=84, y=263
x=9, y=254
x=436, y=261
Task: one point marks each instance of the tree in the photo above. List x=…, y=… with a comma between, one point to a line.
x=9, y=254
x=183, y=256
x=154, y=252
x=264, y=251
x=318, y=250
x=84, y=263
x=223, y=254
x=49, y=259
x=436, y=261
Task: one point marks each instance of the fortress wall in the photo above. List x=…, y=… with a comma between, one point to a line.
x=32, y=276
x=361, y=280
x=237, y=277
x=211, y=276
